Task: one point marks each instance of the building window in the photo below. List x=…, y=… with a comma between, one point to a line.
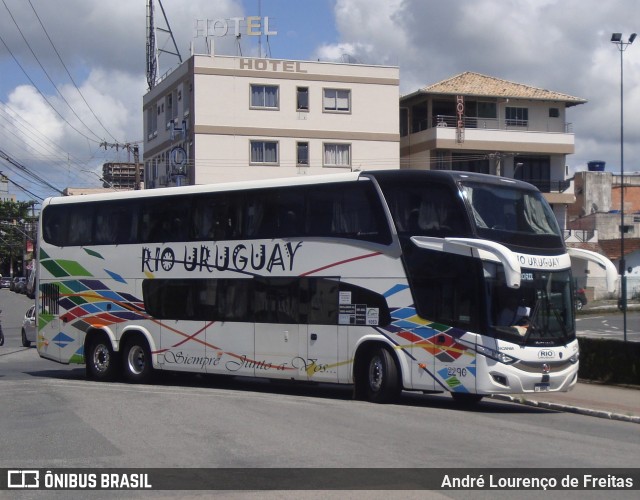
x=264, y=152
x=168, y=102
x=487, y=109
x=152, y=122
x=337, y=155
x=302, y=101
x=554, y=113
x=535, y=170
x=302, y=154
x=264, y=96
x=419, y=117
x=517, y=117
x=337, y=100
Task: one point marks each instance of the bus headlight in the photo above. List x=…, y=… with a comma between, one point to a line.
x=493, y=354
x=574, y=359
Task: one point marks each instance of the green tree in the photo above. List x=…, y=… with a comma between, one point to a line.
x=17, y=226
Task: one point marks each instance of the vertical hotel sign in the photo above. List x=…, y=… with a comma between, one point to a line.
x=460, y=119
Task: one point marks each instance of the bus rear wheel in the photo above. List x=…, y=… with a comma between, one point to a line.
x=101, y=361
x=380, y=377
x=138, y=367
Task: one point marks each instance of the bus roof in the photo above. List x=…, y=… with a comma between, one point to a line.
x=448, y=177
x=206, y=188
x=444, y=176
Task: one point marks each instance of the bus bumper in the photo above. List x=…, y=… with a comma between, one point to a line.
x=525, y=376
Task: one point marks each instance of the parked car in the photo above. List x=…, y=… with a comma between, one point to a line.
x=29, y=328
x=581, y=299
x=20, y=285
x=12, y=285
x=5, y=282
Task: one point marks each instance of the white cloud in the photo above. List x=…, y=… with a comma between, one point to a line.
x=30, y=106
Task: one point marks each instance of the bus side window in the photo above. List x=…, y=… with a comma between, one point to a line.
x=320, y=301
x=80, y=226
x=290, y=213
x=53, y=225
x=202, y=219
x=254, y=214
x=276, y=300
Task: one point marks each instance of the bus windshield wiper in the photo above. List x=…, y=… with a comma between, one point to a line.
x=533, y=321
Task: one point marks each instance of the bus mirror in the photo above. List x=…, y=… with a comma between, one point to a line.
x=472, y=247
x=610, y=270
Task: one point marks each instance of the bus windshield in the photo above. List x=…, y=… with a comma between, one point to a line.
x=513, y=215
x=540, y=312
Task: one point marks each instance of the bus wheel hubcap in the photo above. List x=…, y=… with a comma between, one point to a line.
x=136, y=360
x=375, y=374
x=101, y=358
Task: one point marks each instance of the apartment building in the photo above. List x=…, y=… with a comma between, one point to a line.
x=122, y=175
x=479, y=123
x=220, y=118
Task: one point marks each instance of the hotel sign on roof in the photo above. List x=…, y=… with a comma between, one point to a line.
x=251, y=26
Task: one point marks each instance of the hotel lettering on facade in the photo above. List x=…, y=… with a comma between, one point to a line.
x=219, y=118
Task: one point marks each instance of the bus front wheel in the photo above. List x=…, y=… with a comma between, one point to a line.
x=101, y=361
x=138, y=368
x=379, y=381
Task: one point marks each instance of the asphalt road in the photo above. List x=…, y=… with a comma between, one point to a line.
x=51, y=416
x=609, y=325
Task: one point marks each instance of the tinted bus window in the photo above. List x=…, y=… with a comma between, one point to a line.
x=263, y=300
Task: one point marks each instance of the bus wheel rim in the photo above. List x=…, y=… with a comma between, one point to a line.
x=101, y=358
x=376, y=371
x=136, y=360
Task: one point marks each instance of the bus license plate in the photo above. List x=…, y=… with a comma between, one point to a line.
x=541, y=388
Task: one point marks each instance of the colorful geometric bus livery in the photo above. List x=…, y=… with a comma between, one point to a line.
x=387, y=280
x=87, y=303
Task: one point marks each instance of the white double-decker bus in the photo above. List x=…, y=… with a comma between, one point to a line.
x=388, y=280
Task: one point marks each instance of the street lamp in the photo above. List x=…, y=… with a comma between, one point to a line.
x=622, y=46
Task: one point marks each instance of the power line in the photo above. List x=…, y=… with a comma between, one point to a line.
x=47, y=75
x=41, y=94
x=68, y=73
x=46, y=149
x=17, y=164
x=24, y=189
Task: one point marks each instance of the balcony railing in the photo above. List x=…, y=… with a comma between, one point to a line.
x=489, y=124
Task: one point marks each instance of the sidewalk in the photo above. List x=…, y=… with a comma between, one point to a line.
x=588, y=398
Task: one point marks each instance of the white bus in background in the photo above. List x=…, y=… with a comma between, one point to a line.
x=386, y=280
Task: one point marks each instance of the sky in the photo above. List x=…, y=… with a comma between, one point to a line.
x=73, y=72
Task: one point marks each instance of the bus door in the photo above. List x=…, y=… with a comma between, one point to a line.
x=321, y=363
x=320, y=303
x=276, y=310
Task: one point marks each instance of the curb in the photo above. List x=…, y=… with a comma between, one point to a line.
x=569, y=409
